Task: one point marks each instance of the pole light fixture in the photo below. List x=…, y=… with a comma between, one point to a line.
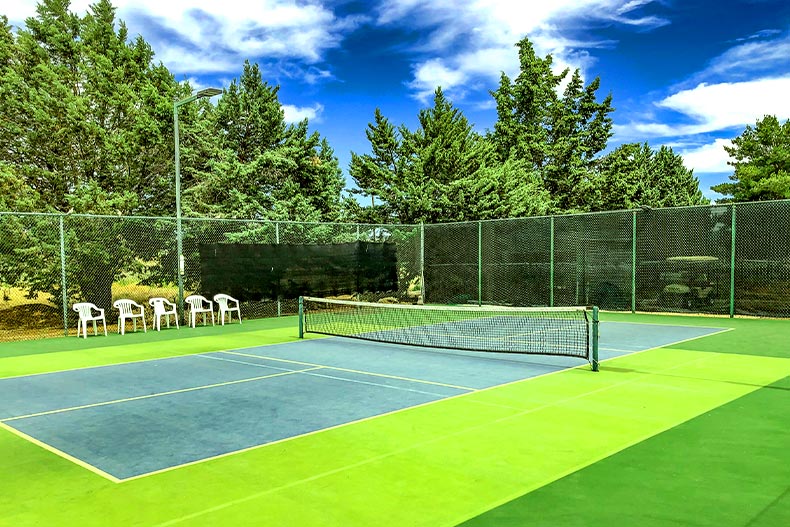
x=204, y=93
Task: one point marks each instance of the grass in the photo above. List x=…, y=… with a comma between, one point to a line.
x=692, y=434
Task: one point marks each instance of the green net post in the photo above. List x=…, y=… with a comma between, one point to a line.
x=551, y=262
x=594, y=361
x=63, y=279
x=732, y=265
x=479, y=263
x=301, y=317
x=633, y=263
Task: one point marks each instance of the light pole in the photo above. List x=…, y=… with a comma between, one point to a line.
x=207, y=92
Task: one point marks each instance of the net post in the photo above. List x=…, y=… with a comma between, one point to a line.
x=301, y=317
x=594, y=361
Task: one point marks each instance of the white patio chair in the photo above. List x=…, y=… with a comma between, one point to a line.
x=199, y=304
x=129, y=310
x=163, y=308
x=227, y=304
x=85, y=311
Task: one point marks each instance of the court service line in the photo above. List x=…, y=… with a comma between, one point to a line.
x=338, y=368
x=307, y=372
x=60, y=453
x=159, y=394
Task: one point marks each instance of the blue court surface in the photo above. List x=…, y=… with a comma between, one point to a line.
x=129, y=420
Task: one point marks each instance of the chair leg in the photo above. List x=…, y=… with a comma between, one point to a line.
x=104, y=323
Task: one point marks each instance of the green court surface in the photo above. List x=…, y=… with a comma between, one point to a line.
x=695, y=433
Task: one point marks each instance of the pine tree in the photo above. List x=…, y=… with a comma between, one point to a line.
x=761, y=157
x=634, y=174
x=556, y=137
x=262, y=167
x=430, y=174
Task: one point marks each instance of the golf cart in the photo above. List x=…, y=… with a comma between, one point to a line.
x=690, y=282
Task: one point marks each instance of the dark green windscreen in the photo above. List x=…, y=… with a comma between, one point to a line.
x=271, y=271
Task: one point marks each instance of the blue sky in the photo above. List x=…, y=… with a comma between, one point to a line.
x=688, y=74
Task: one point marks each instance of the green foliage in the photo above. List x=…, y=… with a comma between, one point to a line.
x=761, y=157
x=555, y=137
x=428, y=175
x=633, y=174
x=83, y=105
x=260, y=167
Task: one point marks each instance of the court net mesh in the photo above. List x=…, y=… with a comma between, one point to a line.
x=545, y=331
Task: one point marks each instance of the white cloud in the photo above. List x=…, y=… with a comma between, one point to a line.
x=753, y=57
x=709, y=158
x=198, y=36
x=295, y=114
x=714, y=107
x=473, y=40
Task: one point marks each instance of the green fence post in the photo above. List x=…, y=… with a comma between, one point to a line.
x=479, y=263
x=594, y=361
x=422, y=263
x=732, y=266
x=63, y=279
x=551, y=261
x=633, y=264
x=301, y=317
x=277, y=241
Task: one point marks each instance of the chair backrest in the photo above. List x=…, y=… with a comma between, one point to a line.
x=159, y=304
x=84, y=309
x=126, y=306
x=196, y=301
x=222, y=299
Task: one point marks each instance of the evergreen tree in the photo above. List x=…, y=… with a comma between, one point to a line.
x=428, y=175
x=86, y=114
x=634, y=174
x=262, y=167
x=375, y=173
x=761, y=157
x=555, y=136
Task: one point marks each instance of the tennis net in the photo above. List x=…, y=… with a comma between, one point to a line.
x=567, y=331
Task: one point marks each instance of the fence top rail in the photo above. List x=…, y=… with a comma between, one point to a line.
x=644, y=210
x=224, y=220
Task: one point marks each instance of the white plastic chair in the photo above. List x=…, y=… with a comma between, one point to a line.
x=225, y=305
x=163, y=308
x=199, y=304
x=85, y=311
x=128, y=309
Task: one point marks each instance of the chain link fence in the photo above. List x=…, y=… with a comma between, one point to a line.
x=719, y=259
x=48, y=262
